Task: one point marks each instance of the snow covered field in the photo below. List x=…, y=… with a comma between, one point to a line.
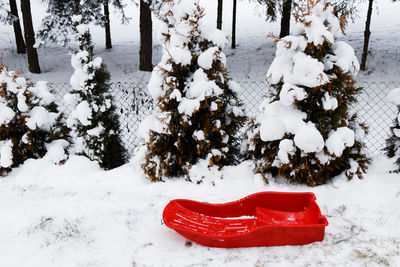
x=79, y=215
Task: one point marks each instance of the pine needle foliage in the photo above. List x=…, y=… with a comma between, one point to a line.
x=193, y=125
x=284, y=156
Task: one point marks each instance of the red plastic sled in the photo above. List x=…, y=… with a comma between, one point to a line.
x=261, y=219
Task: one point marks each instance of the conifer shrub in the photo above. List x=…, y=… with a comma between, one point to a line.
x=304, y=131
x=93, y=120
x=30, y=124
x=200, y=113
x=392, y=148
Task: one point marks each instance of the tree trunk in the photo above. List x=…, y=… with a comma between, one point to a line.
x=219, y=15
x=146, y=38
x=234, y=24
x=285, y=20
x=107, y=25
x=19, y=39
x=367, y=34
x=33, y=59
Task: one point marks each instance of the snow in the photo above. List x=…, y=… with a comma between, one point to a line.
x=309, y=139
x=56, y=151
x=394, y=96
x=328, y=102
x=155, y=85
x=340, y=139
x=286, y=147
x=41, y=90
x=6, y=155
x=180, y=55
x=199, y=135
x=345, y=58
x=82, y=114
x=320, y=25
x=189, y=106
x=201, y=86
x=234, y=86
x=6, y=114
x=298, y=69
x=150, y=123
x=290, y=93
x=96, y=131
x=113, y=218
x=214, y=35
x=306, y=71
x=41, y=118
x=206, y=58
x=21, y=104
x=278, y=119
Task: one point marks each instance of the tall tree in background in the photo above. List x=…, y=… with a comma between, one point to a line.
x=19, y=39
x=367, y=34
x=33, y=59
x=106, y=19
x=10, y=16
x=285, y=19
x=274, y=8
x=219, y=14
x=146, y=37
x=107, y=26
x=234, y=24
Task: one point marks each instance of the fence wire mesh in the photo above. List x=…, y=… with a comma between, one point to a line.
x=134, y=103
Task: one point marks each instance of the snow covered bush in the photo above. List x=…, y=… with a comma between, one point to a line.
x=93, y=120
x=393, y=142
x=200, y=113
x=304, y=131
x=30, y=124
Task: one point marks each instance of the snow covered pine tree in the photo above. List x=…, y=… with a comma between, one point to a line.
x=304, y=132
x=393, y=142
x=30, y=124
x=94, y=122
x=200, y=112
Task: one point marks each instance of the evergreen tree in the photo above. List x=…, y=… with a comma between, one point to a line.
x=10, y=16
x=219, y=14
x=367, y=34
x=30, y=124
x=392, y=148
x=94, y=121
x=146, y=37
x=304, y=132
x=200, y=113
x=29, y=33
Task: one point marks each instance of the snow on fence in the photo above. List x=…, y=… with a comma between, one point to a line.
x=134, y=103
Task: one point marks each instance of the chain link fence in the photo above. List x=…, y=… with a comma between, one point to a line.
x=134, y=103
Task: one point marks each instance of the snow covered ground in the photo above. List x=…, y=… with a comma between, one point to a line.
x=79, y=215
